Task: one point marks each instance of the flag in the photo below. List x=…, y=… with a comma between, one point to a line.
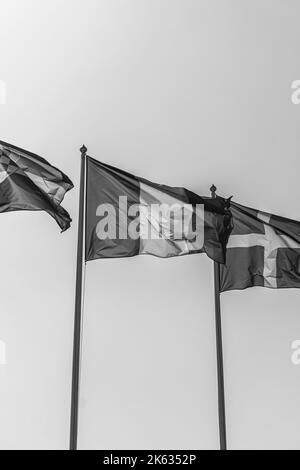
x=262, y=250
x=128, y=216
x=28, y=182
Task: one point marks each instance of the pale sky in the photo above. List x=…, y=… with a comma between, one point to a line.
x=181, y=92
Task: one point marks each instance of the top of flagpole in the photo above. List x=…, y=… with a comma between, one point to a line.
x=83, y=150
x=213, y=190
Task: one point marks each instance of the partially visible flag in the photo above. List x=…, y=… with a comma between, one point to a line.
x=263, y=250
x=28, y=182
x=128, y=216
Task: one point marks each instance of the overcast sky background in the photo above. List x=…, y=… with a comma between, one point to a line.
x=182, y=92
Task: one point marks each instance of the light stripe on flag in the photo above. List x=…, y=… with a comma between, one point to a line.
x=161, y=222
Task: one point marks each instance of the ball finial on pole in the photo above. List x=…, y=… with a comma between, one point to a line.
x=213, y=190
x=83, y=150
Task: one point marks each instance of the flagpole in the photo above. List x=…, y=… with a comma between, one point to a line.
x=220, y=367
x=78, y=307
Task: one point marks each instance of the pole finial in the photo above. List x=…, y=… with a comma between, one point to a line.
x=213, y=190
x=83, y=149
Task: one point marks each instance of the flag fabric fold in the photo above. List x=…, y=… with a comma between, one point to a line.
x=262, y=250
x=29, y=182
x=128, y=216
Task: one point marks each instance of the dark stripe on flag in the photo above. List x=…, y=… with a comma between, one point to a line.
x=105, y=185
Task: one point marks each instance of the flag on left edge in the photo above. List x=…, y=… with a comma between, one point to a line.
x=29, y=182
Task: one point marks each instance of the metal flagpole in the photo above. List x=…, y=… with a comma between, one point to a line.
x=78, y=307
x=220, y=367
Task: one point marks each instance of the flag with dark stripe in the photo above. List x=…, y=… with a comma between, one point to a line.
x=128, y=216
x=262, y=250
x=29, y=182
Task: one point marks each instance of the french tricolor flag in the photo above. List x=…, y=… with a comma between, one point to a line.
x=128, y=216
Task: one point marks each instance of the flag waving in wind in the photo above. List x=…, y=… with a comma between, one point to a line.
x=28, y=182
x=263, y=250
x=128, y=216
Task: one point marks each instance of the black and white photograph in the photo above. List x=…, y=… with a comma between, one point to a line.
x=150, y=228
